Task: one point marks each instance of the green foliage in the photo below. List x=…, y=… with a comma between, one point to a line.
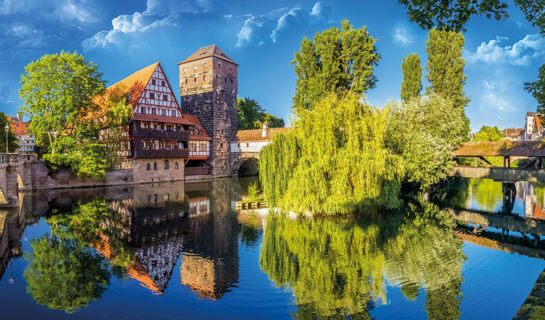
x=537, y=89
x=334, y=161
x=253, y=191
x=60, y=92
x=65, y=274
x=534, y=10
x=251, y=116
x=452, y=15
x=488, y=134
x=412, y=76
x=445, y=68
x=335, y=60
x=12, y=138
x=424, y=132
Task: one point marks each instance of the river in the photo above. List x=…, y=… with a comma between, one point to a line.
x=181, y=251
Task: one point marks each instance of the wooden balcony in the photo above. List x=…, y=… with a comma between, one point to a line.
x=199, y=154
x=180, y=153
x=197, y=171
x=138, y=132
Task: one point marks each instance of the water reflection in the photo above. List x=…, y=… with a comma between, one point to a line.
x=339, y=268
x=187, y=240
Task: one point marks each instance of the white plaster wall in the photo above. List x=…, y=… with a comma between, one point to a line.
x=252, y=146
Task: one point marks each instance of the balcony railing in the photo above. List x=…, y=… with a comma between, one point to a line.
x=199, y=154
x=197, y=171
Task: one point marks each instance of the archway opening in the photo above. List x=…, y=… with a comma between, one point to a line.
x=3, y=199
x=249, y=168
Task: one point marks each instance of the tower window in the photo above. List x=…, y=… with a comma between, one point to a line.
x=221, y=145
x=185, y=70
x=204, y=65
x=231, y=80
x=195, y=67
x=195, y=79
x=185, y=81
x=219, y=65
x=204, y=78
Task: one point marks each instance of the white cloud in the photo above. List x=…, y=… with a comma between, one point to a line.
x=26, y=36
x=257, y=28
x=74, y=11
x=495, y=95
x=402, y=37
x=519, y=54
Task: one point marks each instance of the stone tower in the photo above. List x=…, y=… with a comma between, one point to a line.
x=208, y=89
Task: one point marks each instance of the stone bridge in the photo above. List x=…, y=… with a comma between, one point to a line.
x=15, y=175
x=238, y=158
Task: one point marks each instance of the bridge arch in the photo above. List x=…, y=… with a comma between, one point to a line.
x=246, y=167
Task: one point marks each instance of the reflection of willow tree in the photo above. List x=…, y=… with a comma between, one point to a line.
x=65, y=274
x=487, y=193
x=425, y=254
x=336, y=268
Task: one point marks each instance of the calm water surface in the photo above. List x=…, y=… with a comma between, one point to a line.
x=175, y=251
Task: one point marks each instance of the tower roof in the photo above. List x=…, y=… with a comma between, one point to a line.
x=206, y=52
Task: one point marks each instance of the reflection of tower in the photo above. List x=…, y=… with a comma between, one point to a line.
x=210, y=257
x=529, y=197
x=509, y=194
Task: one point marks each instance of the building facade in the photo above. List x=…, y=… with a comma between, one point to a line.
x=209, y=89
x=533, y=129
x=25, y=139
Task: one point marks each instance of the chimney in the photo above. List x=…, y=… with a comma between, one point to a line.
x=265, y=130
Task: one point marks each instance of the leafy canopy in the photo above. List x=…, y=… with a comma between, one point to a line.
x=534, y=10
x=251, y=116
x=487, y=133
x=412, y=76
x=454, y=14
x=537, y=89
x=335, y=60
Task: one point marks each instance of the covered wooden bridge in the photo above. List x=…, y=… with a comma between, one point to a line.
x=531, y=170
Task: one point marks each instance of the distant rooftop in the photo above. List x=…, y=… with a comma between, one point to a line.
x=206, y=52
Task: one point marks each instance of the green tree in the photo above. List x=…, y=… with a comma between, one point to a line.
x=251, y=116
x=57, y=90
x=334, y=61
x=487, y=133
x=452, y=15
x=424, y=132
x=65, y=274
x=341, y=163
x=12, y=138
x=537, y=89
x=412, y=76
x=534, y=10
x=445, y=68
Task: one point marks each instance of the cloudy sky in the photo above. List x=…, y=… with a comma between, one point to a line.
x=262, y=36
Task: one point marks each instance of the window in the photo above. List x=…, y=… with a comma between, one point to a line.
x=219, y=65
x=185, y=81
x=155, y=166
x=152, y=95
x=166, y=165
x=163, y=83
x=163, y=112
x=173, y=113
x=247, y=144
x=148, y=167
x=195, y=67
x=185, y=70
x=231, y=80
x=176, y=168
x=195, y=79
x=152, y=110
x=143, y=110
x=153, y=81
x=204, y=65
x=204, y=78
x=221, y=145
x=165, y=97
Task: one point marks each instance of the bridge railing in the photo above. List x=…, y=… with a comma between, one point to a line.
x=10, y=158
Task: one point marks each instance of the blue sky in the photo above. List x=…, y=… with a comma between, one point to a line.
x=262, y=36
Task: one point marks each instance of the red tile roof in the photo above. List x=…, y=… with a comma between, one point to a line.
x=256, y=134
x=512, y=132
x=197, y=123
x=19, y=127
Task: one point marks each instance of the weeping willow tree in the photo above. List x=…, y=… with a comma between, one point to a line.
x=333, y=267
x=334, y=161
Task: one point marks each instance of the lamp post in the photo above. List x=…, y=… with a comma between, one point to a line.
x=7, y=131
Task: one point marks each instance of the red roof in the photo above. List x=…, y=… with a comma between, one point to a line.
x=19, y=127
x=257, y=134
x=512, y=132
x=197, y=123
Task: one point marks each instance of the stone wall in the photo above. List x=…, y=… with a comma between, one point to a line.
x=36, y=177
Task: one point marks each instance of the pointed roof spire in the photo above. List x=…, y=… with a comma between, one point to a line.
x=208, y=51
